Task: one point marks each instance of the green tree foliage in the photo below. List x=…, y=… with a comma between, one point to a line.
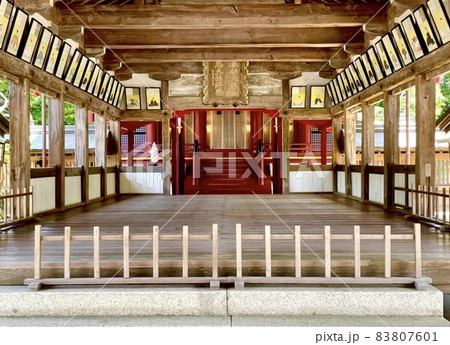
x=443, y=96
x=36, y=106
x=4, y=89
x=36, y=110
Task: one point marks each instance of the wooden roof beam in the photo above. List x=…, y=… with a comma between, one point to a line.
x=221, y=16
x=220, y=38
x=144, y=56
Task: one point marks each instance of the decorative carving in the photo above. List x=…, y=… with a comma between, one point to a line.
x=225, y=83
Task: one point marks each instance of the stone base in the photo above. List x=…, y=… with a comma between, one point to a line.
x=252, y=301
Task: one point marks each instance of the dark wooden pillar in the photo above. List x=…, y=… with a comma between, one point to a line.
x=100, y=149
x=82, y=149
x=425, y=131
x=115, y=160
x=368, y=140
x=391, y=144
x=19, y=110
x=57, y=156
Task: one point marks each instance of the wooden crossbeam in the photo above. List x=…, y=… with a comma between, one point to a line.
x=219, y=15
x=222, y=38
x=152, y=55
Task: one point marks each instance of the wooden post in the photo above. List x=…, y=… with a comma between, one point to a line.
x=57, y=149
x=44, y=130
x=126, y=252
x=67, y=239
x=37, y=251
x=82, y=149
x=418, y=250
x=327, y=252
x=298, y=252
x=357, y=239
x=96, y=252
x=185, y=251
x=336, y=154
x=100, y=149
x=368, y=140
x=166, y=137
x=116, y=159
x=155, y=239
x=238, y=250
x=387, y=251
x=267, y=238
x=391, y=145
x=215, y=251
x=286, y=138
x=425, y=130
x=19, y=134
x=350, y=147
x=30, y=203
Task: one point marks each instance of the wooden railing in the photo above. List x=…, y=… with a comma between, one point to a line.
x=432, y=203
x=215, y=279
x=442, y=173
x=4, y=175
x=15, y=206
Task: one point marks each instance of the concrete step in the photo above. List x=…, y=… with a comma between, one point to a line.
x=253, y=301
x=225, y=321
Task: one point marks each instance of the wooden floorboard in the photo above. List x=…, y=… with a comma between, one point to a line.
x=311, y=211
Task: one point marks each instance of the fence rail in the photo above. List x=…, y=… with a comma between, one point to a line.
x=442, y=173
x=432, y=203
x=15, y=205
x=215, y=279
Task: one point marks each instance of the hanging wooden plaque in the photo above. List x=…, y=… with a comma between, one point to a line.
x=225, y=83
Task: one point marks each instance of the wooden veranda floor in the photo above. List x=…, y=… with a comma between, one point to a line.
x=170, y=213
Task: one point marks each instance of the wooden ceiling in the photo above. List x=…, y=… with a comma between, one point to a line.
x=150, y=36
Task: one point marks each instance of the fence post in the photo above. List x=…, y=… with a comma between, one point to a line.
x=23, y=198
x=185, y=251
x=155, y=251
x=37, y=251
x=298, y=252
x=357, y=238
x=387, y=251
x=327, y=252
x=418, y=250
x=126, y=252
x=67, y=239
x=31, y=210
x=267, y=238
x=96, y=252
x=238, y=250
x=444, y=205
x=215, y=251
x=17, y=201
x=5, y=207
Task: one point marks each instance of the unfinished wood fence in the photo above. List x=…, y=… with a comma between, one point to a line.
x=15, y=206
x=432, y=203
x=215, y=279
